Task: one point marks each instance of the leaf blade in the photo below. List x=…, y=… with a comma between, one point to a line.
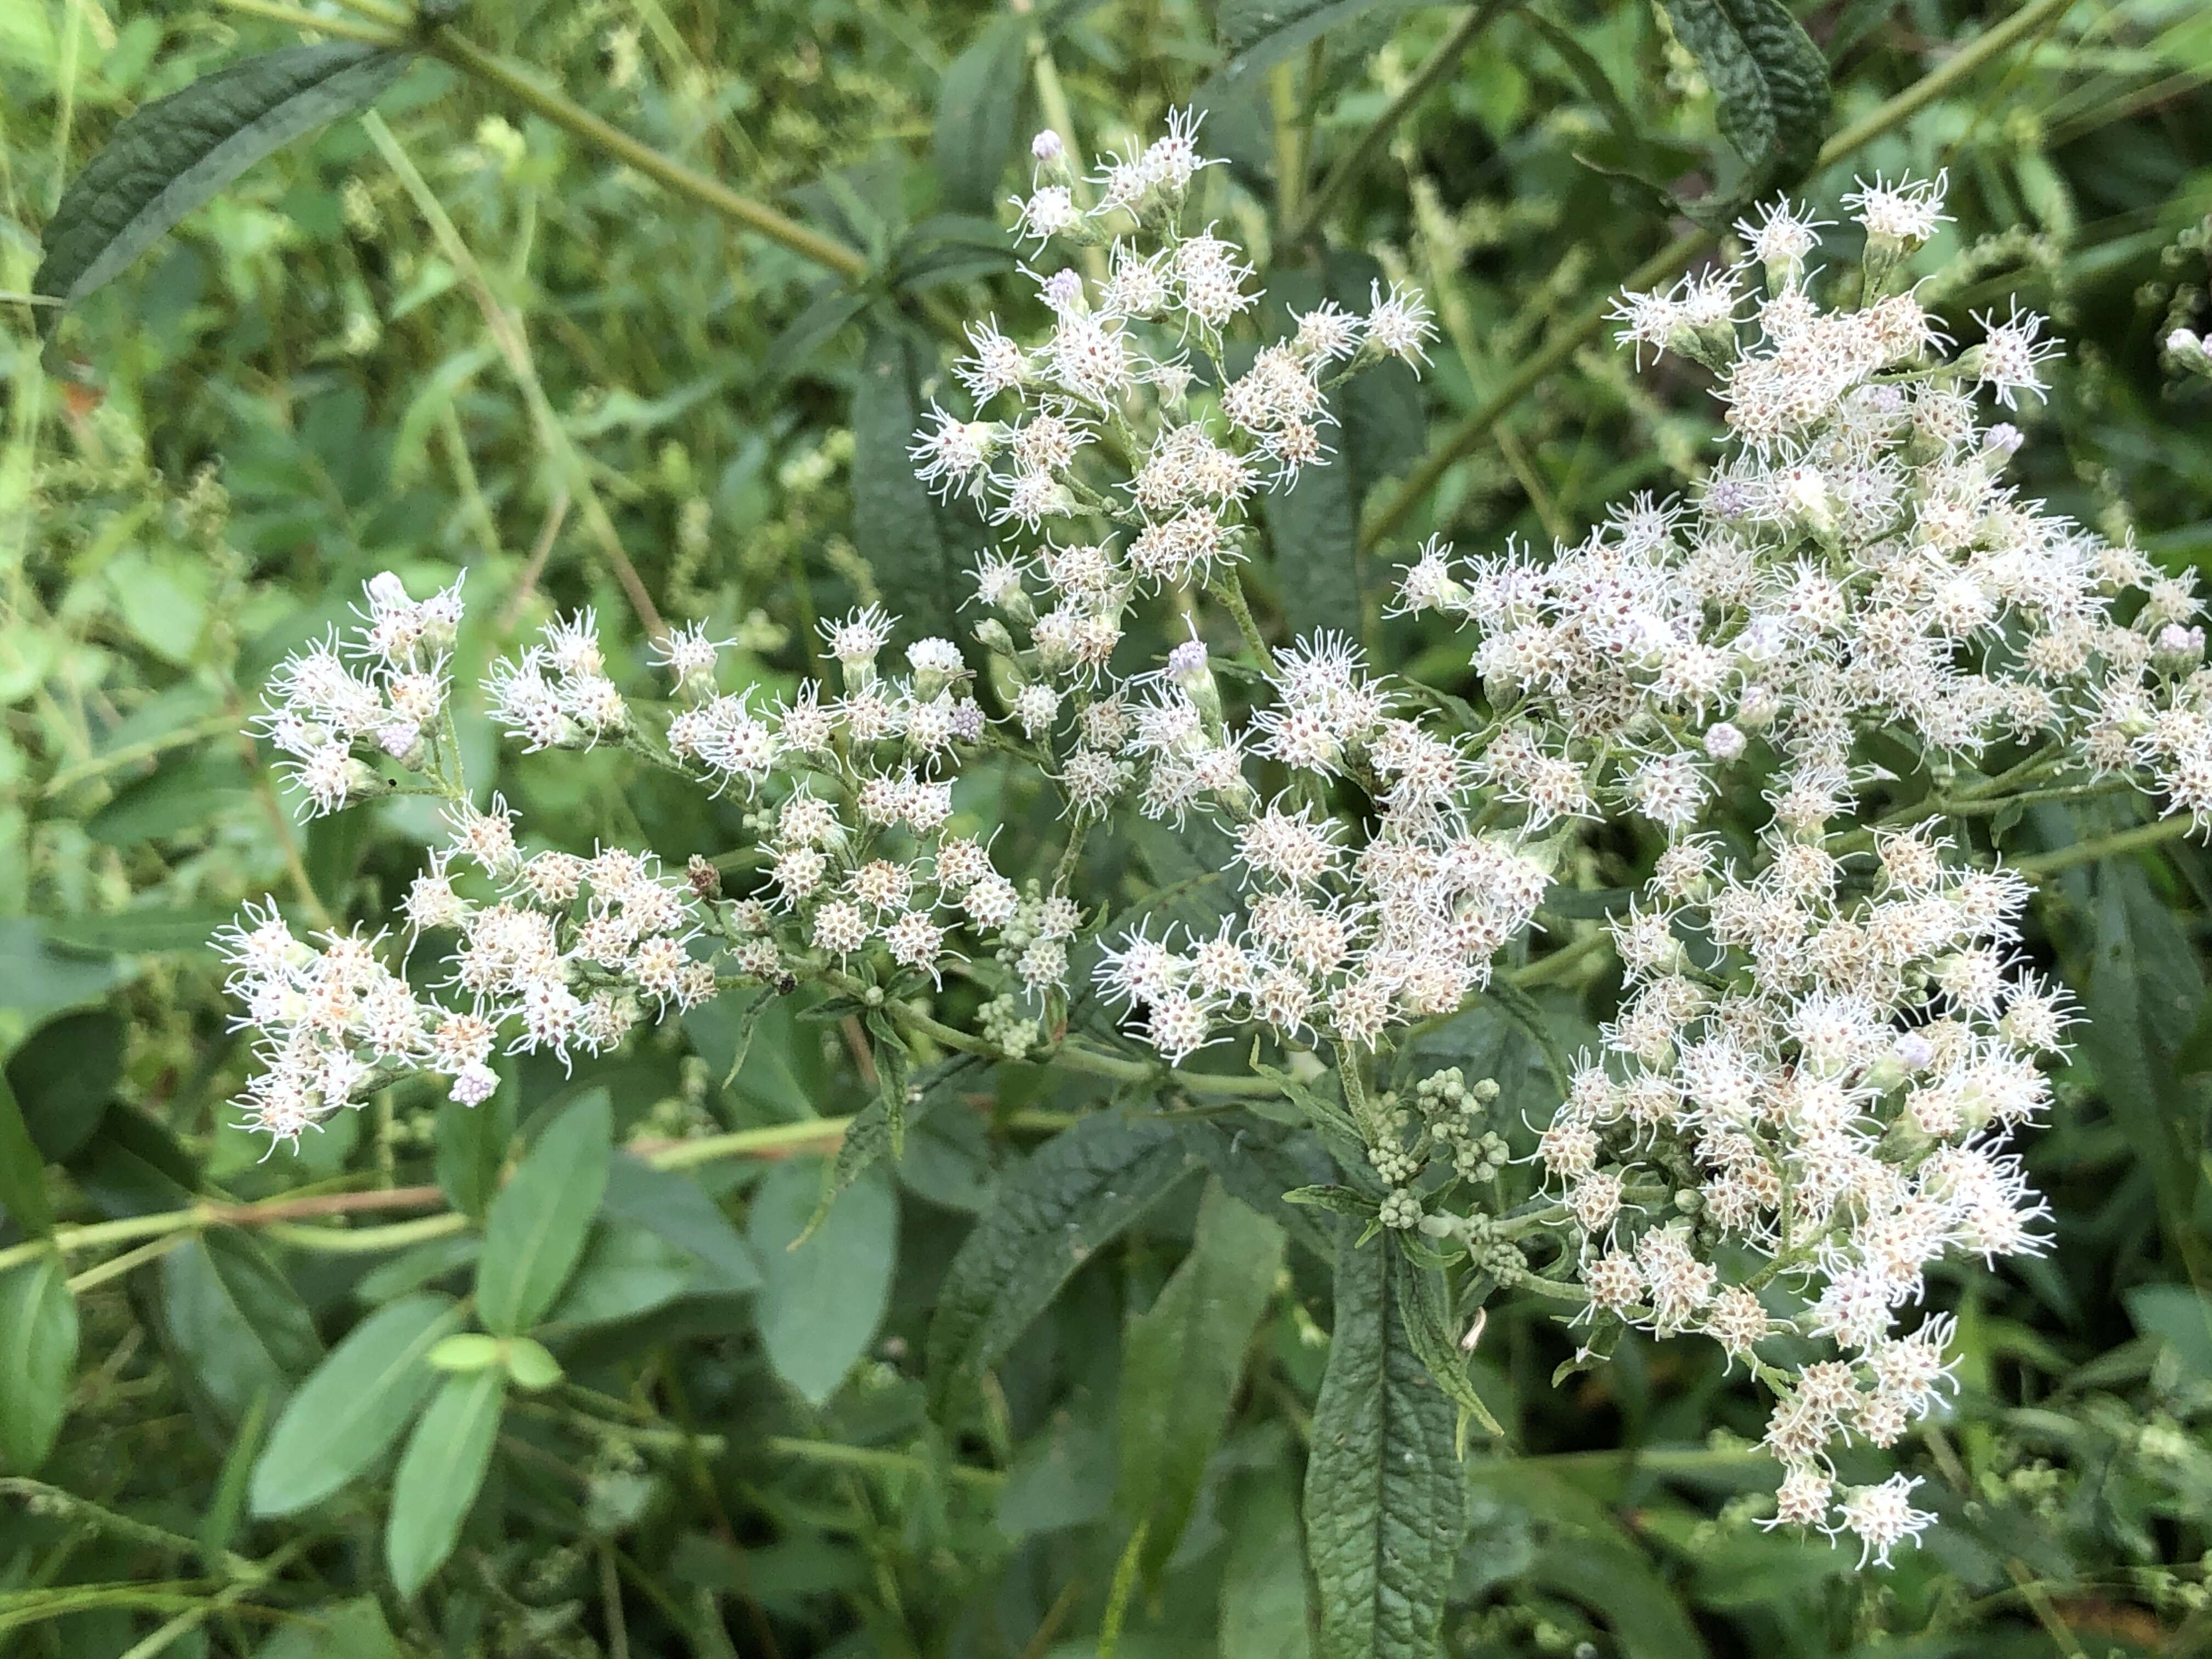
x=1182, y=1360
x=1770, y=86
x=538, y=1224
x=440, y=1474
x=353, y=1406
x=1076, y=1192
x=170, y=156
x=37, y=1360
x=1383, y=1504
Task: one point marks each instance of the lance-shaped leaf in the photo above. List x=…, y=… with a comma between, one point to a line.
x=1769, y=83
x=918, y=548
x=978, y=103
x=173, y=154
x=1182, y=1363
x=38, y=1360
x=441, y=1474
x=539, y=1221
x=236, y=1321
x=353, y=1405
x=1384, y=1509
x=1078, y=1192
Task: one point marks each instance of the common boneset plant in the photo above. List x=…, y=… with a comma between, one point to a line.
x=1828, y=1033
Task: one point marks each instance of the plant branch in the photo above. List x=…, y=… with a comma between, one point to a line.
x=1438, y=64
x=572, y=117
x=368, y=35
x=2155, y=834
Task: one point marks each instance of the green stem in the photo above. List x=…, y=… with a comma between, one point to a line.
x=1562, y=961
x=1349, y=167
x=1463, y=438
x=513, y=346
x=337, y=26
x=686, y=182
x=2103, y=847
x=55, y=1501
x=115, y=1267
x=875, y=1458
x=1228, y=588
x=775, y=1138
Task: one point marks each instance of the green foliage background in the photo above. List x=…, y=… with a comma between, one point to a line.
x=301, y=388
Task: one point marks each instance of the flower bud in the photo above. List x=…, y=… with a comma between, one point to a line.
x=2187, y=349
x=1725, y=741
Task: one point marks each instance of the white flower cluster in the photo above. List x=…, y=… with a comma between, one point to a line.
x=1111, y=426
x=565, y=949
x=1802, y=1104
x=1812, y=1104
x=1857, y=564
x=859, y=852
x=325, y=717
x=555, y=952
x=1345, y=932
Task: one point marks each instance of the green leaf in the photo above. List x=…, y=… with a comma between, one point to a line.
x=184, y=796
x=531, y=1365
x=353, y=1405
x=1264, y=1603
x=626, y=1270
x=410, y=1270
x=2179, y=1316
x=38, y=1360
x=879, y=1129
x=465, y=1350
x=978, y=105
x=1076, y=1192
x=1589, y=1557
x=22, y=1169
x=144, y=929
x=1422, y=1298
x=911, y=542
x=821, y=1300
x=539, y=1221
x=675, y=1207
x=2145, y=993
x=62, y=1076
x=1339, y=1201
x=1181, y=1364
x=170, y=155
x=1261, y=1163
x=472, y=1143
x=1770, y=84
x=241, y=1326
x=37, y=980
x=1625, y=148
x=833, y=306
x=1261, y=34
x=1382, y=1500
x=350, y=1630
x=1062, y=1477
x=440, y=1474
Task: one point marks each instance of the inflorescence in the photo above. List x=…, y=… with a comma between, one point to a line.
x=1803, y=1103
